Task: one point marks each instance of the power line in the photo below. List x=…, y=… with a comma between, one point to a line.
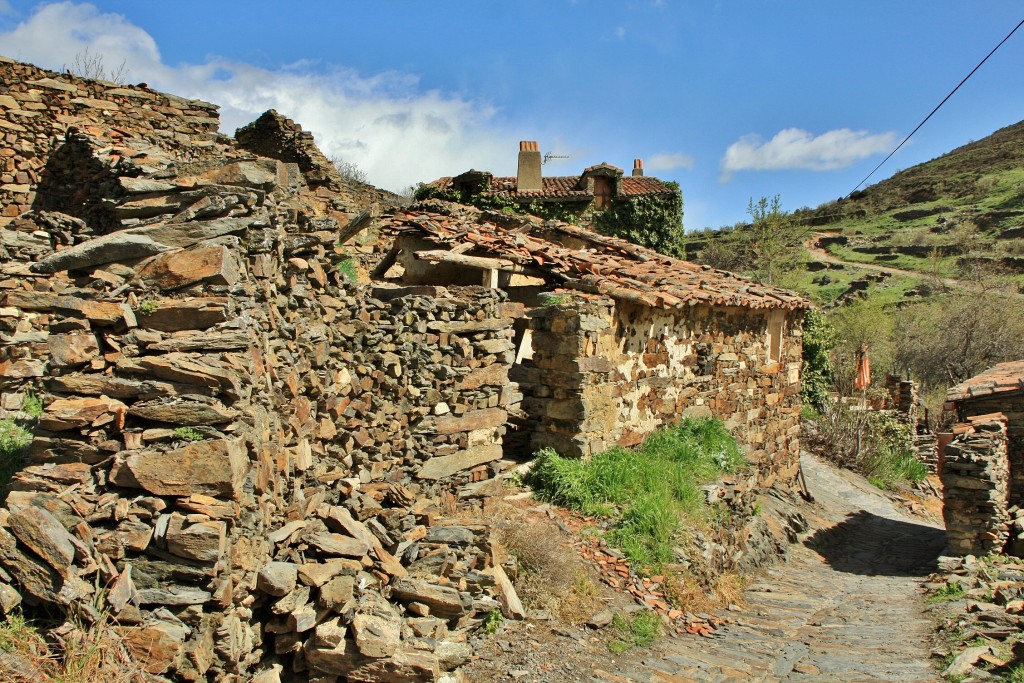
x=937, y=107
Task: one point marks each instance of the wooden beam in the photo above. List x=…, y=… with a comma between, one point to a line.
x=483, y=262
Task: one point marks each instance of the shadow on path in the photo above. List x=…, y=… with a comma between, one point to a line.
x=868, y=544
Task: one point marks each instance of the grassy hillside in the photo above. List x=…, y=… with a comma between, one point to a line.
x=940, y=219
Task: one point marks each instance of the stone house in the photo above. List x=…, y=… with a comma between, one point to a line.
x=620, y=339
x=579, y=199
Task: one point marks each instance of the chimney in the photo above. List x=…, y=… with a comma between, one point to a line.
x=638, y=167
x=528, y=177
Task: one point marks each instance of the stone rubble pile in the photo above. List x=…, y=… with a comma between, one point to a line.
x=975, y=480
x=251, y=464
x=989, y=617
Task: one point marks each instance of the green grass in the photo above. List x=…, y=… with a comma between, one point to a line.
x=647, y=492
x=887, y=469
x=950, y=592
x=640, y=630
x=13, y=440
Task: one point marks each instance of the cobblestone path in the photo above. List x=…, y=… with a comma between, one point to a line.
x=845, y=608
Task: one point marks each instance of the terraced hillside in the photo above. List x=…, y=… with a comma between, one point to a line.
x=954, y=214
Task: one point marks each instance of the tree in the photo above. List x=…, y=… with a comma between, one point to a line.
x=767, y=248
x=775, y=240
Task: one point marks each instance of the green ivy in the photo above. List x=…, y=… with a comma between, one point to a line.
x=653, y=220
x=818, y=371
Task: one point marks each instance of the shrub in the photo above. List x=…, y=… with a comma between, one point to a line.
x=817, y=376
x=187, y=434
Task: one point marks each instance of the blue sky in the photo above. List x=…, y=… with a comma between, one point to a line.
x=735, y=100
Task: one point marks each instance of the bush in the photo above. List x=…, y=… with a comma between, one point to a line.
x=817, y=376
x=873, y=443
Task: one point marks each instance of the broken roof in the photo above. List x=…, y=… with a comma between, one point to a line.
x=606, y=265
x=565, y=187
x=999, y=379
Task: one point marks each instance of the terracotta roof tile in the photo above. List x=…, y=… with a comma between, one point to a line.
x=566, y=187
x=608, y=265
x=999, y=379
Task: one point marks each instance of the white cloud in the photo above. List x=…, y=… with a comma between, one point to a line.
x=669, y=161
x=620, y=32
x=794, y=148
x=384, y=123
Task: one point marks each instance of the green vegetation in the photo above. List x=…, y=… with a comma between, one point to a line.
x=13, y=440
x=654, y=221
x=818, y=373
x=187, y=434
x=953, y=590
x=82, y=654
x=493, y=621
x=149, y=307
x=769, y=249
x=33, y=405
x=639, y=630
x=647, y=492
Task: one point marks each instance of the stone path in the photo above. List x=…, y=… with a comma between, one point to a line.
x=845, y=608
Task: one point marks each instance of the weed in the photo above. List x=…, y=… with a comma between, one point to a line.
x=547, y=299
x=33, y=405
x=78, y=655
x=640, y=630
x=187, y=434
x=948, y=593
x=493, y=621
x=1015, y=674
x=149, y=307
x=347, y=267
x=646, y=491
x=13, y=440
x=887, y=468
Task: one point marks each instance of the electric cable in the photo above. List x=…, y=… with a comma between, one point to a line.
x=882, y=163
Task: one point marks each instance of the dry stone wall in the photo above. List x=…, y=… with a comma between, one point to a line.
x=246, y=462
x=975, y=482
x=607, y=373
x=39, y=108
x=1011, y=405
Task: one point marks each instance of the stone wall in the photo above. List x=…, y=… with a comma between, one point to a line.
x=40, y=107
x=1011, y=405
x=244, y=461
x=975, y=482
x=606, y=373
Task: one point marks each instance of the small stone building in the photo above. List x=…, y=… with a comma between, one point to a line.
x=1000, y=389
x=620, y=339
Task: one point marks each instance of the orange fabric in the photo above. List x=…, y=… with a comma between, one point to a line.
x=863, y=372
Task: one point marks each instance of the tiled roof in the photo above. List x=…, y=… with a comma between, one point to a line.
x=1000, y=379
x=607, y=265
x=566, y=187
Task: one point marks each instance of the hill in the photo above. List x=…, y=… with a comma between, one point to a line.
x=937, y=220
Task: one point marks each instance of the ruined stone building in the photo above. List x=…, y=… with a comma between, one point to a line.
x=256, y=469
x=626, y=339
x=578, y=199
x=983, y=467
